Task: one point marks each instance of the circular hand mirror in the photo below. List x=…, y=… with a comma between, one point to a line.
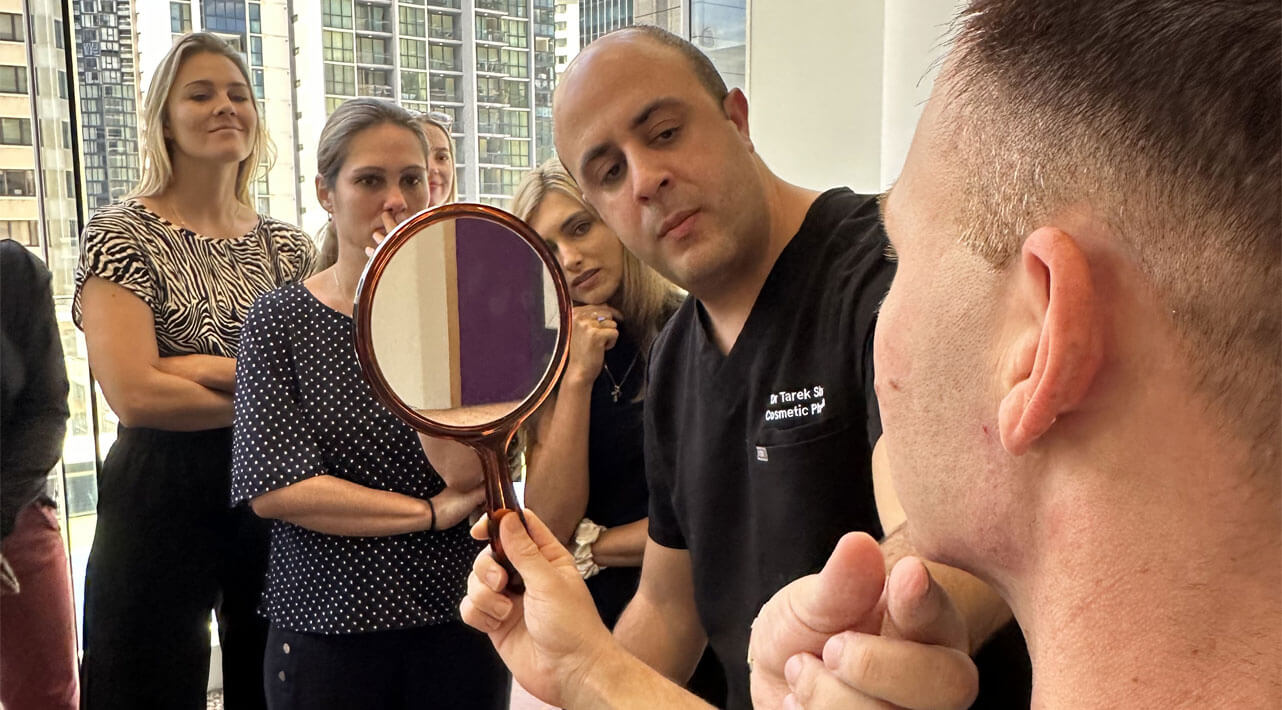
x=462, y=321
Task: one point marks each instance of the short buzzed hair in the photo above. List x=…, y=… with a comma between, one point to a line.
x=700, y=65
x=1164, y=118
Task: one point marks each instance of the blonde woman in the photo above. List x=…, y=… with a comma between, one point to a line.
x=164, y=282
x=586, y=472
x=440, y=163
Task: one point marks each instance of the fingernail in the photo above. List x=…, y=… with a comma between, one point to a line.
x=790, y=702
x=492, y=579
x=504, y=606
x=832, y=651
x=792, y=669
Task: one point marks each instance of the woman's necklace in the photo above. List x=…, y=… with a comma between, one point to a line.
x=617, y=390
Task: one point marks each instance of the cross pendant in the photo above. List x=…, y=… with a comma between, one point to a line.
x=614, y=395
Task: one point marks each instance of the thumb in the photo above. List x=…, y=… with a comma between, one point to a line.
x=919, y=609
x=531, y=551
x=843, y=596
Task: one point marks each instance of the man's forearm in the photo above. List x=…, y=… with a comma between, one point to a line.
x=618, y=680
x=983, y=611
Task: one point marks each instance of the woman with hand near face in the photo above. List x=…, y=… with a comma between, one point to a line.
x=585, y=464
x=164, y=282
x=369, y=547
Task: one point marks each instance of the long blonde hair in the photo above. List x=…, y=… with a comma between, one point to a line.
x=349, y=119
x=157, y=162
x=645, y=298
x=427, y=120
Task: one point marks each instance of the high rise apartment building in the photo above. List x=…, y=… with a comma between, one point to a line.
x=489, y=64
x=108, y=99
x=717, y=27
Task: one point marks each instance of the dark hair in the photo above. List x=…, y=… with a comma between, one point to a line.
x=349, y=119
x=700, y=65
x=1165, y=118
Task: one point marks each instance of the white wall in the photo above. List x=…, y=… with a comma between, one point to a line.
x=835, y=87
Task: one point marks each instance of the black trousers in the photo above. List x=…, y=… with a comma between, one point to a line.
x=444, y=667
x=167, y=549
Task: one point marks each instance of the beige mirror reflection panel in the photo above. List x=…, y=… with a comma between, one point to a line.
x=415, y=324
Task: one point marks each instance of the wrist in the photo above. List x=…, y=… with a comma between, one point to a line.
x=577, y=381
x=427, y=514
x=590, y=682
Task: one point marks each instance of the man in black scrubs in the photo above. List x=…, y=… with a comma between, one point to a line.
x=760, y=415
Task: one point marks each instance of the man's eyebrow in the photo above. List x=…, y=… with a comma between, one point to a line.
x=639, y=119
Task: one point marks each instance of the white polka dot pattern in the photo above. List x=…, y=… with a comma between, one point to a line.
x=303, y=409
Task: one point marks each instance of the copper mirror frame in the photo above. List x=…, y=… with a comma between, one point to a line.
x=489, y=440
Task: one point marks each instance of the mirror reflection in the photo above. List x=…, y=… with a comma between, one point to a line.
x=464, y=322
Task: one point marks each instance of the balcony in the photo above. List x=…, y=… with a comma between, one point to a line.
x=443, y=65
x=452, y=33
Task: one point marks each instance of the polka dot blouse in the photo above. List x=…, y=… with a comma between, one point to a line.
x=303, y=409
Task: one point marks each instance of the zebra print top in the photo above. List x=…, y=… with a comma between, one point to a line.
x=199, y=288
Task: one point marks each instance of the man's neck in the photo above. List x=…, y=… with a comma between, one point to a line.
x=728, y=308
x=1168, y=609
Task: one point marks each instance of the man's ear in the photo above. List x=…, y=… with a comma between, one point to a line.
x=323, y=195
x=1051, y=366
x=735, y=107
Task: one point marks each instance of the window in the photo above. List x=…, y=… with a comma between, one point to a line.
x=17, y=183
x=57, y=33
x=516, y=63
x=413, y=21
x=340, y=79
x=256, y=51
x=225, y=16
x=13, y=80
x=375, y=82
x=413, y=54
x=516, y=33
x=489, y=89
x=443, y=57
x=255, y=18
x=338, y=46
x=337, y=14
x=372, y=18
x=373, y=50
x=331, y=103
x=413, y=86
x=23, y=231
x=488, y=59
x=11, y=27
x=259, y=87
x=441, y=26
x=15, y=131
x=66, y=134
x=62, y=84
x=179, y=17
x=445, y=88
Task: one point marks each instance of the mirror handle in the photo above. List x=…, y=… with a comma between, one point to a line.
x=500, y=500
